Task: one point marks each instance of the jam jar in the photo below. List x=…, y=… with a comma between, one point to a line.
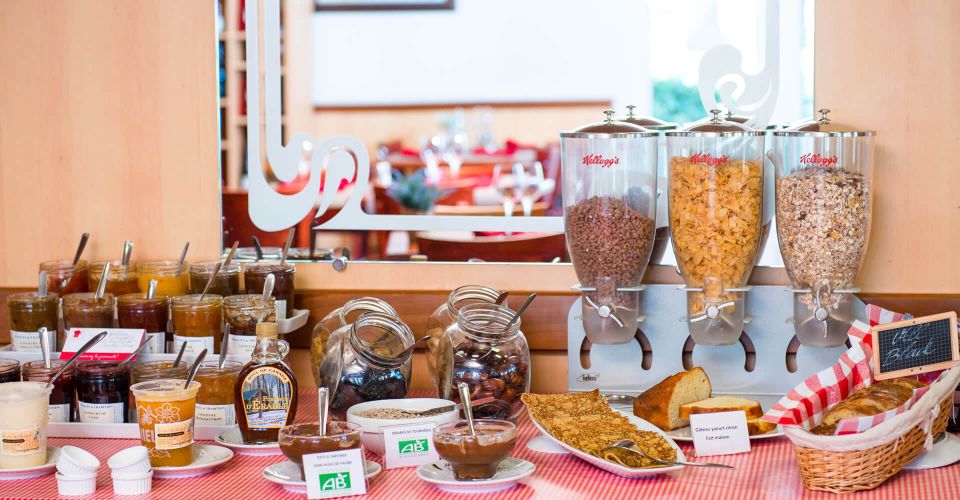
x=226, y=283
x=154, y=370
x=61, y=407
x=121, y=278
x=135, y=310
x=255, y=274
x=367, y=361
x=338, y=318
x=215, y=403
x=445, y=316
x=172, y=277
x=9, y=370
x=28, y=313
x=241, y=313
x=85, y=310
x=197, y=322
x=102, y=392
x=491, y=356
x=63, y=276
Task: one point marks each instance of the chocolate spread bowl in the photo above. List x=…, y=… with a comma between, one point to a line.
x=473, y=458
x=298, y=440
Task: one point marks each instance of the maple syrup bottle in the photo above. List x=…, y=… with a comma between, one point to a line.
x=266, y=389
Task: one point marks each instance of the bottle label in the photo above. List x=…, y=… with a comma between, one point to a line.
x=242, y=344
x=100, y=413
x=155, y=341
x=194, y=344
x=20, y=442
x=267, y=392
x=216, y=415
x=58, y=413
x=173, y=435
x=30, y=341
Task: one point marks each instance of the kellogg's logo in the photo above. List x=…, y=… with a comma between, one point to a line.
x=601, y=161
x=818, y=159
x=708, y=159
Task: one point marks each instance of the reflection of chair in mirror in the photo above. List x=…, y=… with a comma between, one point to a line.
x=529, y=247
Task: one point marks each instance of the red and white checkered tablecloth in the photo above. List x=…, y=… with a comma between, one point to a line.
x=769, y=471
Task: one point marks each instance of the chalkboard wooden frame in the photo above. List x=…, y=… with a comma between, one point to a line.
x=879, y=330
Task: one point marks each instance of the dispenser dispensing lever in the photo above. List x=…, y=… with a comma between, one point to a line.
x=604, y=311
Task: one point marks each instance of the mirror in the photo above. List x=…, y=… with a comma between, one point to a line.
x=459, y=105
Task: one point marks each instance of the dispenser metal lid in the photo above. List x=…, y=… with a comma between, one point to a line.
x=716, y=126
x=609, y=129
x=646, y=122
x=821, y=127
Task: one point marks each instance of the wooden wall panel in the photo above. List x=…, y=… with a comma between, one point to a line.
x=108, y=124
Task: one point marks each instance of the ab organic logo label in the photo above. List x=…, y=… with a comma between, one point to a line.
x=412, y=447
x=334, y=481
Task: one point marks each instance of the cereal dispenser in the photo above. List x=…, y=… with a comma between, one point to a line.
x=823, y=204
x=609, y=209
x=715, y=186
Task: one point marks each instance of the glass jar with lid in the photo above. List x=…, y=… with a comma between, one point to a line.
x=445, y=316
x=366, y=361
x=341, y=317
x=135, y=310
x=715, y=202
x=9, y=370
x=61, y=406
x=226, y=283
x=824, y=200
x=171, y=276
x=198, y=322
x=490, y=354
x=29, y=312
x=121, y=279
x=241, y=314
x=609, y=212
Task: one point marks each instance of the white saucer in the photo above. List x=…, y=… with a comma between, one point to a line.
x=287, y=474
x=943, y=453
x=543, y=444
x=231, y=439
x=53, y=454
x=510, y=472
x=206, y=458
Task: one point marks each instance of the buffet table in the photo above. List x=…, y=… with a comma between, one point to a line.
x=770, y=471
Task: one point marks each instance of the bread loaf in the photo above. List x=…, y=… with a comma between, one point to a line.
x=721, y=404
x=660, y=405
x=877, y=398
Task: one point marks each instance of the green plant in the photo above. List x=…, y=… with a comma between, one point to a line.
x=413, y=192
x=675, y=102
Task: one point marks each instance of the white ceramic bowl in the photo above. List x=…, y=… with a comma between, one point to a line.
x=371, y=434
x=133, y=461
x=76, y=485
x=77, y=462
x=139, y=484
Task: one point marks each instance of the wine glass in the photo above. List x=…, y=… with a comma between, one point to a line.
x=431, y=149
x=505, y=185
x=454, y=152
x=529, y=178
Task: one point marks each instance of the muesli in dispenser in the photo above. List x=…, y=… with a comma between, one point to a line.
x=609, y=210
x=824, y=201
x=715, y=186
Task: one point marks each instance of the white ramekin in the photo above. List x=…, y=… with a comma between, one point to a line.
x=75, y=461
x=133, y=461
x=139, y=484
x=76, y=485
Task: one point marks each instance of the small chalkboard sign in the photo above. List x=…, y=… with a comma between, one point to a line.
x=915, y=346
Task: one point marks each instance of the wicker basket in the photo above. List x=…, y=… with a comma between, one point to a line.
x=856, y=462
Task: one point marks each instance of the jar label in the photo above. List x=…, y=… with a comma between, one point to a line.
x=155, y=341
x=216, y=415
x=100, y=413
x=20, y=442
x=58, y=413
x=267, y=392
x=173, y=435
x=194, y=344
x=30, y=341
x=242, y=344
x=281, y=309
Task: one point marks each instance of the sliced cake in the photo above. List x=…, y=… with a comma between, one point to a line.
x=660, y=405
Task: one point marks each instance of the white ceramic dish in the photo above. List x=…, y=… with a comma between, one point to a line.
x=231, y=439
x=76, y=485
x=77, y=462
x=615, y=468
x=206, y=458
x=139, y=484
x=510, y=472
x=53, y=454
x=287, y=474
x=371, y=429
x=131, y=461
x=943, y=453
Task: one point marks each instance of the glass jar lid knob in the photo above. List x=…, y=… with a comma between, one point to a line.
x=608, y=113
x=630, y=108
x=824, y=120
x=716, y=116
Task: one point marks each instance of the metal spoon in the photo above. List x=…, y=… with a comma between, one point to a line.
x=323, y=407
x=223, y=348
x=183, y=254
x=406, y=352
x=257, y=247
x=467, y=407
x=286, y=246
x=626, y=444
x=127, y=248
x=233, y=251
x=183, y=349
x=139, y=348
x=80, y=247
x=44, y=348
x=523, y=307
x=152, y=289
x=42, y=285
x=196, y=366
x=84, y=348
x=267, y=292
x=213, y=276
x=102, y=286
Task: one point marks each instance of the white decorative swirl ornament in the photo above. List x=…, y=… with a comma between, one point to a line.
x=750, y=95
x=343, y=158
